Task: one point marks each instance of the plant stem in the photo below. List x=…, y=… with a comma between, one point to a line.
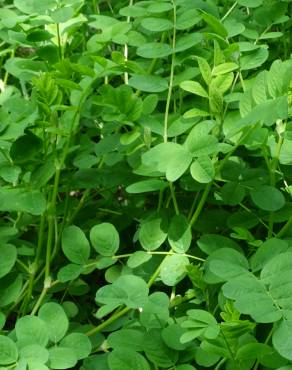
x=172, y=191
x=107, y=322
x=273, y=168
x=51, y=221
x=170, y=86
x=201, y=204
x=229, y=11
x=284, y=229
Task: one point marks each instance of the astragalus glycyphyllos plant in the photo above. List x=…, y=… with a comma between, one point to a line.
x=145, y=199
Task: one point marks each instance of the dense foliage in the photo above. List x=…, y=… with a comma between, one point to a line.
x=145, y=169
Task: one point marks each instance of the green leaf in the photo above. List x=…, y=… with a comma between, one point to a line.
x=75, y=245
x=154, y=50
x=200, y=322
x=169, y=158
x=254, y=59
x=34, y=6
x=79, y=343
x=62, y=15
x=151, y=234
x=282, y=339
x=209, y=243
x=69, y=272
x=205, y=70
x=34, y=354
x=187, y=19
x=10, y=288
x=194, y=88
x=127, y=360
x=252, y=351
x=224, y=68
x=232, y=193
x=155, y=311
x=266, y=251
x=21, y=200
x=202, y=170
x=8, y=351
x=148, y=83
x=179, y=234
x=57, y=322
x=171, y=336
x=201, y=145
x=156, y=24
x=227, y=263
x=138, y=258
x=130, y=290
x=31, y=330
x=126, y=338
x=215, y=24
x=195, y=112
x=250, y=3
x=156, y=351
x=62, y=358
x=8, y=255
x=159, y=7
x=105, y=239
x=146, y=186
x=173, y=269
x=265, y=299
x=268, y=198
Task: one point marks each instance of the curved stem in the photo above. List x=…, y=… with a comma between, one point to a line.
x=171, y=76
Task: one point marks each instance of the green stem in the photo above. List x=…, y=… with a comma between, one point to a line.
x=51, y=221
x=284, y=229
x=107, y=322
x=172, y=191
x=35, y=264
x=171, y=77
x=201, y=204
x=229, y=11
x=59, y=41
x=39, y=301
x=273, y=168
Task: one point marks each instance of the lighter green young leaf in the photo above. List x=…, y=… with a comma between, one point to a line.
x=8, y=351
x=194, y=88
x=223, y=82
x=138, y=258
x=202, y=170
x=259, y=88
x=224, y=68
x=146, y=186
x=205, y=70
x=195, y=112
x=173, y=269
